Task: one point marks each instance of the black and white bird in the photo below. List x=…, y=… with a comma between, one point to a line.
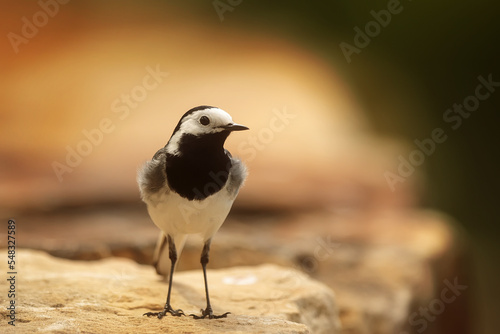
x=189, y=187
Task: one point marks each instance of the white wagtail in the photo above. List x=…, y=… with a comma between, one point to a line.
x=189, y=187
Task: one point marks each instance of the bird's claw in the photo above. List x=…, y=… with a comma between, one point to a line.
x=168, y=309
x=208, y=313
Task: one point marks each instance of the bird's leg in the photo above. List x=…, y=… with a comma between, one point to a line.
x=168, y=309
x=208, y=312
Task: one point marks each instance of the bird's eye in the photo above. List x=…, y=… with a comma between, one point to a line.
x=204, y=120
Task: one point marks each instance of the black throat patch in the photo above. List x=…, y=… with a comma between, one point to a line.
x=202, y=167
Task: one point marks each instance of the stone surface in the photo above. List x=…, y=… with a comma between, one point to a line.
x=110, y=296
x=383, y=266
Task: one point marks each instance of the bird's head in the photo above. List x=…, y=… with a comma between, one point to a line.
x=202, y=121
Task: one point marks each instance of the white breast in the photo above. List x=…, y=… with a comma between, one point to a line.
x=176, y=215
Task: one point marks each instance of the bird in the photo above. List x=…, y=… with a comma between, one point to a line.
x=189, y=187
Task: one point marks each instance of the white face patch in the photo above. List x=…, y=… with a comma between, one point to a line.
x=192, y=124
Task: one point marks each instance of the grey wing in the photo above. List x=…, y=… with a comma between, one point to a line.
x=152, y=175
x=237, y=175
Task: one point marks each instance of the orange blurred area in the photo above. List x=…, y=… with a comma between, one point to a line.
x=97, y=90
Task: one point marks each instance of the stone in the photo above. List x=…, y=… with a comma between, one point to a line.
x=383, y=266
x=110, y=296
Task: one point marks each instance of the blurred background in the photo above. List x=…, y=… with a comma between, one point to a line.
x=336, y=93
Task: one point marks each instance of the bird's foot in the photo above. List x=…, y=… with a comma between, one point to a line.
x=167, y=309
x=208, y=313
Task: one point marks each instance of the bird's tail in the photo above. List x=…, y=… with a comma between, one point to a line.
x=161, y=259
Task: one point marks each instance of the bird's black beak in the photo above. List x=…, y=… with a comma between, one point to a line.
x=234, y=127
